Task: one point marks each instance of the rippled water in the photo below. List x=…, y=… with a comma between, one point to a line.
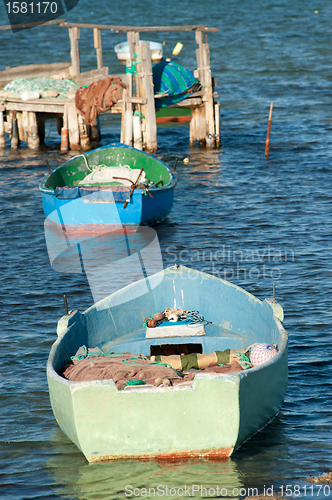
x=253, y=220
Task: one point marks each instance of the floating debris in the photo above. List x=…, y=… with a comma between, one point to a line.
x=324, y=478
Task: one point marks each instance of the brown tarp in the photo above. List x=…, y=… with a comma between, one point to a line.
x=98, y=97
x=128, y=367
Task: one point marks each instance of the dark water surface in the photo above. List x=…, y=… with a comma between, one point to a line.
x=238, y=215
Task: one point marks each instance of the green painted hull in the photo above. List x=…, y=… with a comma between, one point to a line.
x=212, y=416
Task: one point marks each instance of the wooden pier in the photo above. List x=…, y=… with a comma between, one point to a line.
x=25, y=120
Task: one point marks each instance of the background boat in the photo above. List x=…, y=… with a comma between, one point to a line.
x=71, y=201
x=210, y=416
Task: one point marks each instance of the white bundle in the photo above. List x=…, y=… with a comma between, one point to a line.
x=104, y=175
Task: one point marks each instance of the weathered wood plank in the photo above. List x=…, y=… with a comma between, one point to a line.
x=136, y=100
x=123, y=29
x=34, y=106
x=31, y=25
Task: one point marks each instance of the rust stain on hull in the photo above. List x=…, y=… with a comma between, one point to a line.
x=173, y=119
x=92, y=230
x=212, y=454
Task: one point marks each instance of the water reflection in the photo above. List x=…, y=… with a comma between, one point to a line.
x=75, y=478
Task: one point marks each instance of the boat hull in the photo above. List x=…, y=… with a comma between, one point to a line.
x=210, y=417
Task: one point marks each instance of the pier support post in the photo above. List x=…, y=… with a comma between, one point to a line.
x=33, y=139
x=62, y=126
x=14, y=136
x=2, y=131
x=198, y=126
x=74, y=35
x=209, y=105
x=25, y=121
x=207, y=119
x=95, y=135
x=148, y=111
x=74, y=134
x=41, y=128
x=84, y=137
x=20, y=126
x=97, y=43
x=217, y=122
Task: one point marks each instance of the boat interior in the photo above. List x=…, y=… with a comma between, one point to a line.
x=71, y=173
x=116, y=327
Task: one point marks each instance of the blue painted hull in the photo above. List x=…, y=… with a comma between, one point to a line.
x=104, y=207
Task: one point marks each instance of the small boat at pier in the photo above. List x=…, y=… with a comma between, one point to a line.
x=107, y=189
x=122, y=51
x=180, y=364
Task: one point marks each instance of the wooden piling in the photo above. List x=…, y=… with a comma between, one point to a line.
x=217, y=122
x=198, y=126
x=63, y=123
x=84, y=137
x=14, y=135
x=209, y=104
x=2, y=131
x=20, y=126
x=25, y=121
x=148, y=112
x=97, y=44
x=41, y=128
x=95, y=134
x=267, y=143
x=74, y=35
x=33, y=139
x=127, y=107
x=73, y=130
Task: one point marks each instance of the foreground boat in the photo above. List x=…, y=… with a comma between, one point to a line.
x=109, y=187
x=199, y=412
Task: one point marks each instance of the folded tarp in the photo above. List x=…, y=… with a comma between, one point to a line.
x=172, y=83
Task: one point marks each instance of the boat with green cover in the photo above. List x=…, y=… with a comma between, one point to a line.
x=180, y=364
x=109, y=188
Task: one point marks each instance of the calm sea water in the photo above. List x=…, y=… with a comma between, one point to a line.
x=238, y=215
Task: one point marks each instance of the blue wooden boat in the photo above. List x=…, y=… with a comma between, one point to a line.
x=209, y=415
x=109, y=188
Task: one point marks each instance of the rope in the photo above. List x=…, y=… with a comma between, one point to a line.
x=189, y=317
x=85, y=159
x=161, y=364
x=134, y=382
x=87, y=355
x=242, y=359
x=130, y=361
